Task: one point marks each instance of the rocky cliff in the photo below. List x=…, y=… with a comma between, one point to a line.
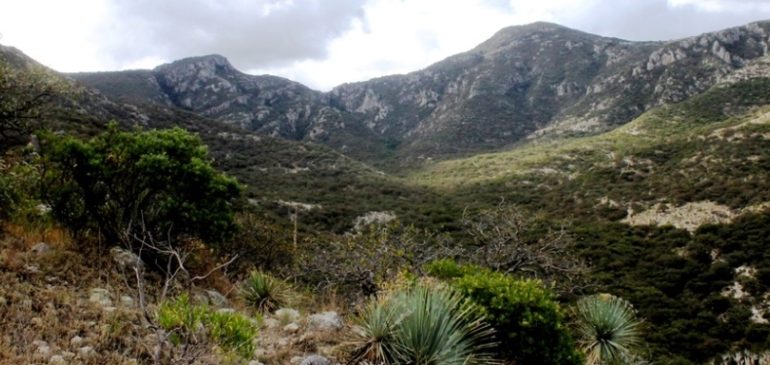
x=530, y=81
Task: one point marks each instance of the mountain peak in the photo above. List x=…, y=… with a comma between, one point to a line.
x=211, y=63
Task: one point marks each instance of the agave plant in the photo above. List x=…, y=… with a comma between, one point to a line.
x=608, y=329
x=424, y=326
x=264, y=292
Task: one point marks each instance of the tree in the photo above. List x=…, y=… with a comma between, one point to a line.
x=154, y=185
x=509, y=240
x=26, y=93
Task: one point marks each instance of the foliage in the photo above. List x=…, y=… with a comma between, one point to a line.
x=189, y=323
x=359, y=263
x=424, y=326
x=26, y=97
x=129, y=185
x=608, y=331
x=265, y=293
x=528, y=320
x=508, y=239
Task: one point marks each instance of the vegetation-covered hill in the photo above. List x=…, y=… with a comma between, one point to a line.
x=525, y=81
x=646, y=175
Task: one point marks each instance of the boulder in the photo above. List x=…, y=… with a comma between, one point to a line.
x=325, y=321
x=126, y=259
x=216, y=298
x=315, y=360
x=100, y=296
x=40, y=248
x=286, y=315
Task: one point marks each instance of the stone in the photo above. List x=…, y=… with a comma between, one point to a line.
x=42, y=348
x=291, y=328
x=216, y=298
x=100, y=296
x=286, y=315
x=86, y=351
x=126, y=301
x=68, y=355
x=255, y=362
x=76, y=341
x=3, y=301
x=325, y=321
x=57, y=360
x=315, y=360
x=296, y=360
x=271, y=323
x=40, y=248
x=126, y=259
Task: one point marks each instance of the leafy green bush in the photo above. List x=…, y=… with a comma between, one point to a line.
x=264, y=292
x=190, y=323
x=156, y=183
x=528, y=320
x=424, y=326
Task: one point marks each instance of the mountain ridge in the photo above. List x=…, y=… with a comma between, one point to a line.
x=532, y=81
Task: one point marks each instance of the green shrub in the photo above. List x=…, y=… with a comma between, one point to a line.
x=265, y=293
x=529, y=322
x=157, y=183
x=608, y=329
x=190, y=323
x=424, y=326
x=447, y=269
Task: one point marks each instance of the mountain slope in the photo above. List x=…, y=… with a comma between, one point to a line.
x=526, y=81
x=277, y=172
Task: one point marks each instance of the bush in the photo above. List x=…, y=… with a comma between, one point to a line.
x=424, y=326
x=608, y=328
x=156, y=183
x=528, y=320
x=189, y=324
x=264, y=292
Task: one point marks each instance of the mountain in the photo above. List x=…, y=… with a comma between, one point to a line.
x=652, y=156
x=532, y=81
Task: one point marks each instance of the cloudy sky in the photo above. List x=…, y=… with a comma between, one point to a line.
x=323, y=43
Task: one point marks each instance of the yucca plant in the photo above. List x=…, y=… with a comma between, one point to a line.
x=608, y=329
x=264, y=292
x=376, y=327
x=424, y=326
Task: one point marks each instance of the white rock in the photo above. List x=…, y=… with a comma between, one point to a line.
x=43, y=350
x=57, y=360
x=216, y=299
x=126, y=301
x=315, y=360
x=325, y=321
x=126, y=259
x=40, y=248
x=100, y=296
x=76, y=341
x=86, y=351
x=291, y=328
x=287, y=315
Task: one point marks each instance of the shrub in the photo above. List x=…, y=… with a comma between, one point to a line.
x=156, y=183
x=528, y=320
x=264, y=292
x=424, y=326
x=190, y=324
x=608, y=329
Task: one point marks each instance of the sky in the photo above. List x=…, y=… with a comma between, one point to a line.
x=323, y=43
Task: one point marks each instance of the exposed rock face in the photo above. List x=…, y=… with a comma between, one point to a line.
x=526, y=81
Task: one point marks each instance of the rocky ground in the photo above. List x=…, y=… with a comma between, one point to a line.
x=61, y=306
